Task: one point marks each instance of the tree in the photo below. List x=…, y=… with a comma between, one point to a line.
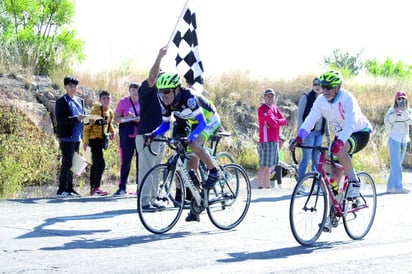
x=388, y=68
x=348, y=64
x=37, y=35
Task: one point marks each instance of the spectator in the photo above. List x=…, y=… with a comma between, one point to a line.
x=150, y=119
x=315, y=137
x=94, y=135
x=69, y=113
x=397, y=120
x=128, y=116
x=270, y=120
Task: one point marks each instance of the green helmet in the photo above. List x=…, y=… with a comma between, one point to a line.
x=168, y=80
x=331, y=77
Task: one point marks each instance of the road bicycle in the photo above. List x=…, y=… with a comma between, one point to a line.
x=313, y=201
x=226, y=203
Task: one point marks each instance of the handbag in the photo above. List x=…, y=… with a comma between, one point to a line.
x=105, y=135
x=134, y=125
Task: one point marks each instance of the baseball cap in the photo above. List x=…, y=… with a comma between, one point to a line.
x=401, y=94
x=269, y=91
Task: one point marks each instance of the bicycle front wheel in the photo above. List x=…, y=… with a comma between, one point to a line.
x=158, y=203
x=308, y=209
x=360, y=213
x=229, y=200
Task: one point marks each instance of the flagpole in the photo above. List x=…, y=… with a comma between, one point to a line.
x=177, y=23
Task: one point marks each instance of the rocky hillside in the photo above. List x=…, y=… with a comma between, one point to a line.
x=35, y=98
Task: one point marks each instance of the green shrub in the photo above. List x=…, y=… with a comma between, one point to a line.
x=27, y=156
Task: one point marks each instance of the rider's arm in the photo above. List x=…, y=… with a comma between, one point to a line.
x=314, y=115
x=199, y=128
x=351, y=111
x=163, y=128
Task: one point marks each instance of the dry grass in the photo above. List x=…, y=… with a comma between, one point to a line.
x=237, y=95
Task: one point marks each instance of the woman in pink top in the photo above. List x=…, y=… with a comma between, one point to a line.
x=270, y=120
x=128, y=117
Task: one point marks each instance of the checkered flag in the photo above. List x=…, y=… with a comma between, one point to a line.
x=185, y=39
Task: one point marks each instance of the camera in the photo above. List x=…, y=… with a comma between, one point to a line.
x=402, y=103
x=106, y=139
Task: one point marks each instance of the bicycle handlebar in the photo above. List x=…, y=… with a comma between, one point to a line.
x=321, y=149
x=173, y=143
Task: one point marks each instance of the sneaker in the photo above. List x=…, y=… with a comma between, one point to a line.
x=401, y=191
x=328, y=226
x=148, y=208
x=64, y=194
x=390, y=191
x=98, y=192
x=74, y=192
x=191, y=217
x=353, y=191
x=120, y=192
x=211, y=180
x=158, y=206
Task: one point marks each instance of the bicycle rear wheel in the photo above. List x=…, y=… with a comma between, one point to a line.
x=229, y=200
x=224, y=158
x=360, y=213
x=308, y=209
x=158, y=190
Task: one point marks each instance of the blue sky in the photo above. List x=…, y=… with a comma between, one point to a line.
x=268, y=38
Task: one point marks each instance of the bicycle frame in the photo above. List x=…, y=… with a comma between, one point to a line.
x=175, y=163
x=338, y=201
x=187, y=182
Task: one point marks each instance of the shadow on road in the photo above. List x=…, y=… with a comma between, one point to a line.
x=81, y=199
x=116, y=242
x=281, y=252
x=41, y=231
x=271, y=199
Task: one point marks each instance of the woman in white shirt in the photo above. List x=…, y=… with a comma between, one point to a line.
x=397, y=120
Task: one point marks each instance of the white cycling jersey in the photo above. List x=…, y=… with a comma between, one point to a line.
x=343, y=113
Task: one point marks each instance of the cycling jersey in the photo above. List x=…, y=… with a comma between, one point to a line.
x=343, y=113
x=192, y=107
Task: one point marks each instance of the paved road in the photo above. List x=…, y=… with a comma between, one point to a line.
x=104, y=235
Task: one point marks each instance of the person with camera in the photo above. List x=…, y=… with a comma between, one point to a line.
x=397, y=120
x=97, y=134
x=69, y=111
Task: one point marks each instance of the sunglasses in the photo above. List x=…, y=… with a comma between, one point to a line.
x=328, y=87
x=401, y=99
x=165, y=91
x=316, y=84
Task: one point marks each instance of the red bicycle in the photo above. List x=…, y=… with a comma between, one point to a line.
x=314, y=204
